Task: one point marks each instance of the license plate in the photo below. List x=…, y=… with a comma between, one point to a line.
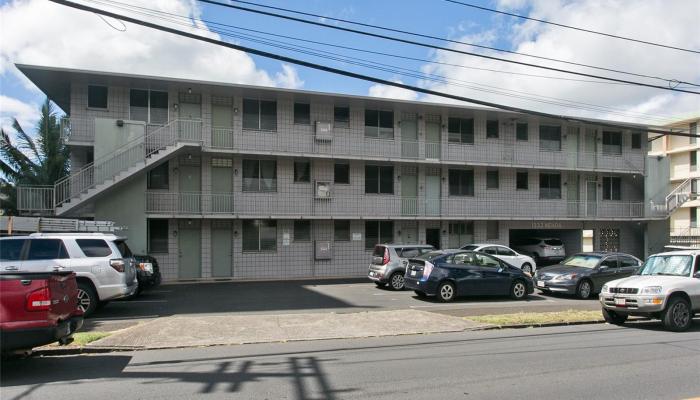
x=413, y=273
x=540, y=283
x=620, y=302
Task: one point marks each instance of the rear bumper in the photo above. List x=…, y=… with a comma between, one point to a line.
x=428, y=287
x=113, y=292
x=20, y=339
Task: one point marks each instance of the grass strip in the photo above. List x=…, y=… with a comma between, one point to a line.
x=83, y=338
x=535, y=318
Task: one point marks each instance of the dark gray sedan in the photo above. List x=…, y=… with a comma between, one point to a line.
x=584, y=274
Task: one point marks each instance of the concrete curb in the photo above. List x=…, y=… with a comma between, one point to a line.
x=539, y=325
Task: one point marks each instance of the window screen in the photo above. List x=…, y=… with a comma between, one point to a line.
x=492, y=179
x=492, y=129
x=158, y=177
x=341, y=230
x=521, y=132
x=341, y=173
x=521, y=180
x=94, y=247
x=379, y=179
x=550, y=138
x=461, y=182
x=302, y=231
x=379, y=124
x=341, y=117
x=97, y=96
x=302, y=113
x=302, y=171
x=460, y=130
x=158, y=236
x=550, y=186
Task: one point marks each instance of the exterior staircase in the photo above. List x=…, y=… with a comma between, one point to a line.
x=72, y=191
x=679, y=195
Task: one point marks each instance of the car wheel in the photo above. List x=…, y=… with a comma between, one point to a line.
x=677, y=317
x=420, y=294
x=87, y=298
x=396, y=281
x=584, y=289
x=527, y=268
x=518, y=290
x=614, y=318
x=446, y=292
x=380, y=284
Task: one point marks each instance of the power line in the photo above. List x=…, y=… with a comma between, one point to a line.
x=427, y=45
x=672, y=82
x=349, y=73
x=186, y=21
x=572, y=27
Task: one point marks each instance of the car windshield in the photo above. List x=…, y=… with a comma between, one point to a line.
x=582, y=260
x=470, y=247
x=553, y=242
x=677, y=265
x=429, y=256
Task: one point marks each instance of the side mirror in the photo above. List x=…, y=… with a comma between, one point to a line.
x=697, y=275
x=602, y=268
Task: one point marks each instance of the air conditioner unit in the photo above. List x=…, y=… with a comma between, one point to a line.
x=324, y=132
x=323, y=190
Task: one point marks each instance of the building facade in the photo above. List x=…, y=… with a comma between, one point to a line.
x=242, y=182
x=682, y=176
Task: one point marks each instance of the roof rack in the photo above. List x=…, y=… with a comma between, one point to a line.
x=24, y=225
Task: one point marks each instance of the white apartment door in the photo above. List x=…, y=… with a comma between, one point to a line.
x=572, y=147
x=409, y=136
x=409, y=195
x=432, y=139
x=591, y=198
x=432, y=195
x=190, y=188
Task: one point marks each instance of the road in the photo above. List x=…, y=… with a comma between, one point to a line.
x=640, y=361
x=302, y=296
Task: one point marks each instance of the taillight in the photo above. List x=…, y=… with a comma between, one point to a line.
x=118, y=264
x=39, y=300
x=427, y=269
x=387, y=257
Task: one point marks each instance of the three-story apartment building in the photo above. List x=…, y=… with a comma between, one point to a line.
x=219, y=180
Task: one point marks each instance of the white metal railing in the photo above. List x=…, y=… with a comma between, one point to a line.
x=37, y=199
x=78, y=129
x=679, y=195
x=222, y=137
x=274, y=204
x=127, y=156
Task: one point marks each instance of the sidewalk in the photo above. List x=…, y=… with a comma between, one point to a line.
x=193, y=331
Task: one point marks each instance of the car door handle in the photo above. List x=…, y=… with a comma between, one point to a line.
x=11, y=268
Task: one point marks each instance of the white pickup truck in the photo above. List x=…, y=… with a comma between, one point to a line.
x=667, y=287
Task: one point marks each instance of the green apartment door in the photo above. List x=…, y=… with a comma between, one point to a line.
x=222, y=186
x=409, y=195
x=572, y=146
x=190, y=188
x=190, y=251
x=221, y=250
x=432, y=195
x=432, y=139
x=222, y=126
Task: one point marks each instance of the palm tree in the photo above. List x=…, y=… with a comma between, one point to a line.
x=38, y=161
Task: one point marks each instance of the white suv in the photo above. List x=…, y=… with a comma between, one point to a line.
x=667, y=287
x=541, y=249
x=102, y=262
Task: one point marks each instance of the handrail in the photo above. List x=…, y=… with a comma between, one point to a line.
x=672, y=200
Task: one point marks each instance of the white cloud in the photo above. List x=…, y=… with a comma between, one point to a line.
x=40, y=32
x=26, y=114
x=392, y=92
x=638, y=19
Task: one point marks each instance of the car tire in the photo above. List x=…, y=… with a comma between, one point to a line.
x=380, y=284
x=446, y=292
x=614, y=318
x=420, y=294
x=87, y=298
x=584, y=289
x=518, y=290
x=396, y=281
x=677, y=316
x=527, y=268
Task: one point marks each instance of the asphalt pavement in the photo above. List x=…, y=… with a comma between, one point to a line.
x=304, y=296
x=638, y=361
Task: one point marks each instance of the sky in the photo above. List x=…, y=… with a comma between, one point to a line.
x=40, y=32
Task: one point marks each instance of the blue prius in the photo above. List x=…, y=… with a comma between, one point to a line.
x=451, y=273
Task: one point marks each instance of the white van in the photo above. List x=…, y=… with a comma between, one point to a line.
x=102, y=262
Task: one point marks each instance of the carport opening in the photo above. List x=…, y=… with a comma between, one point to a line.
x=573, y=239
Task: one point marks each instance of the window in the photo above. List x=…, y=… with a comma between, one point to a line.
x=461, y=233
x=409, y=252
x=11, y=249
x=627, y=262
x=47, y=249
x=259, y=175
x=97, y=96
x=123, y=248
x=150, y=106
x=521, y=132
x=341, y=230
x=550, y=186
x=490, y=250
x=94, y=247
x=492, y=129
x=157, y=235
x=158, y=177
x=378, y=232
x=259, y=115
x=259, y=235
x=693, y=160
x=302, y=113
x=302, y=171
x=693, y=217
x=379, y=179
x=492, y=179
x=460, y=130
x=550, y=138
x=521, y=180
x=486, y=261
x=504, y=251
x=636, y=140
x=612, y=142
x=610, y=262
x=461, y=182
x=379, y=124
x=492, y=230
x=693, y=131
x=341, y=173
x=341, y=116
x=612, y=188
x=302, y=231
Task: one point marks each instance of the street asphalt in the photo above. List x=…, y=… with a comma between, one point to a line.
x=304, y=296
x=638, y=361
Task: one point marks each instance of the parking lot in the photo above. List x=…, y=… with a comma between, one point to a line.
x=304, y=296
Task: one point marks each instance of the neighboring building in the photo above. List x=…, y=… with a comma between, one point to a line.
x=682, y=177
x=220, y=180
